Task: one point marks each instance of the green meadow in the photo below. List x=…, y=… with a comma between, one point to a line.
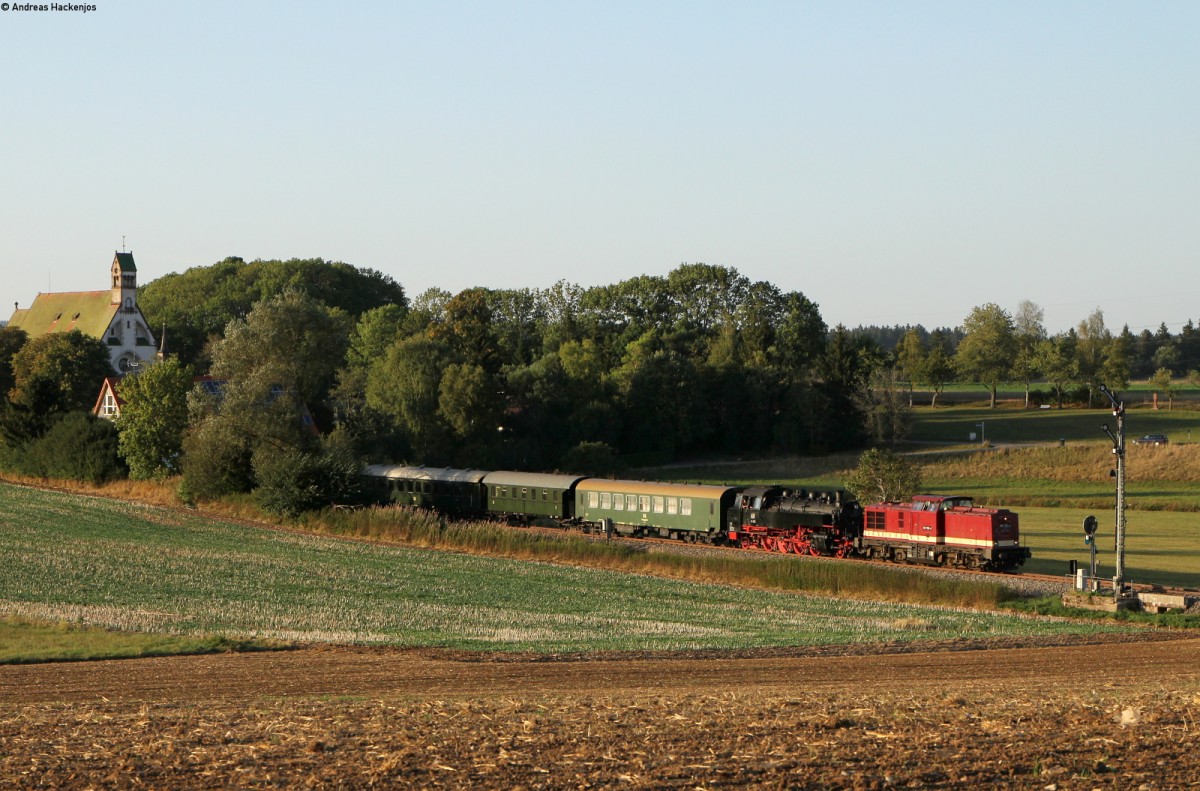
x=141, y=569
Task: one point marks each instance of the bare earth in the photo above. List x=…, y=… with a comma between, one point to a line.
x=1122, y=713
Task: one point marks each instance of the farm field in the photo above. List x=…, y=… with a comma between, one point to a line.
x=141, y=568
x=820, y=693
x=1091, y=715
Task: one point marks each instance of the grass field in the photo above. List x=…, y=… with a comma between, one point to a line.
x=24, y=640
x=146, y=569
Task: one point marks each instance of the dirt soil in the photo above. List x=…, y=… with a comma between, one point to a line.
x=1119, y=713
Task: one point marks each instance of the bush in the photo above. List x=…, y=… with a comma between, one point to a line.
x=291, y=482
x=214, y=463
x=77, y=446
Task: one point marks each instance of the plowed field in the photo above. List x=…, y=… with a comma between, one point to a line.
x=1124, y=713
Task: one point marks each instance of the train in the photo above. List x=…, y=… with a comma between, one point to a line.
x=936, y=530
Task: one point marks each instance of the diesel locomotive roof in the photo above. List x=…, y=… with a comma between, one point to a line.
x=653, y=487
x=533, y=480
x=442, y=474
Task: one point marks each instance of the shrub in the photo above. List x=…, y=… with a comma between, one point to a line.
x=291, y=482
x=77, y=446
x=214, y=463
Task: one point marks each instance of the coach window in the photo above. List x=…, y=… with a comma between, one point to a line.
x=618, y=502
x=631, y=502
x=658, y=505
x=606, y=500
x=644, y=502
x=593, y=499
x=672, y=505
x=685, y=506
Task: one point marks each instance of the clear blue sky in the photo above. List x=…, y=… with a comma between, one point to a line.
x=898, y=163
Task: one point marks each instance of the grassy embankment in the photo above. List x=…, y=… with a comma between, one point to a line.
x=143, y=569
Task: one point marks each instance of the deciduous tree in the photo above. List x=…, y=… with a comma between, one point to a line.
x=882, y=476
x=154, y=418
x=987, y=351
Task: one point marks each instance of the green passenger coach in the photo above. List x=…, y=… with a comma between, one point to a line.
x=642, y=508
x=449, y=490
x=529, y=496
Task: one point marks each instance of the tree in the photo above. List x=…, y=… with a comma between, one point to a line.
x=888, y=413
x=154, y=418
x=989, y=348
x=197, y=305
x=910, y=358
x=1056, y=359
x=11, y=341
x=466, y=329
x=1094, y=338
x=938, y=366
x=405, y=385
x=59, y=372
x=1162, y=381
x=1029, y=332
x=469, y=401
x=882, y=476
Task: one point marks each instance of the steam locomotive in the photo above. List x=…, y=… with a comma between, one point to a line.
x=931, y=529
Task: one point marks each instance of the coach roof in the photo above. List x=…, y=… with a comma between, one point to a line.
x=533, y=480
x=653, y=488
x=445, y=474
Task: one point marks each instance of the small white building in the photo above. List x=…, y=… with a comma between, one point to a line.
x=112, y=315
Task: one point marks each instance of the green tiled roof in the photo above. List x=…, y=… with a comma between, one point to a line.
x=90, y=312
x=125, y=260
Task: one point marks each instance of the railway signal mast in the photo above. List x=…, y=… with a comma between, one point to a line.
x=1118, y=409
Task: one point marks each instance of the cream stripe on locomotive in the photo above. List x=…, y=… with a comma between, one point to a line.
x=971, y=542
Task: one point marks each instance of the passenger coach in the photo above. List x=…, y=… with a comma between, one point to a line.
x=640, y=508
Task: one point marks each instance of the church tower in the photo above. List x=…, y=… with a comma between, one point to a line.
x=124, y=282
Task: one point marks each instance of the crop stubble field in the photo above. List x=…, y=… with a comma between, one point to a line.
x=906, y=696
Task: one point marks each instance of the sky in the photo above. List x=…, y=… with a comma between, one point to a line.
x=897, y=163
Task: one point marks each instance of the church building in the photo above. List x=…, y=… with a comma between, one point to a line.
x=112, y=315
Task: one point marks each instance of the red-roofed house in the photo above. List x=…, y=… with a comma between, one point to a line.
x=113, y=316
x=108, y=403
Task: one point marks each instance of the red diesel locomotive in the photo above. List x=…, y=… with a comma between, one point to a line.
x=935, y=530
x=942, y=531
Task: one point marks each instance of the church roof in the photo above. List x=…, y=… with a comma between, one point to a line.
x=125, y=261
x=90, y=312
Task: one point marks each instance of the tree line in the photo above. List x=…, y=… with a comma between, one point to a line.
x=311, y=368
